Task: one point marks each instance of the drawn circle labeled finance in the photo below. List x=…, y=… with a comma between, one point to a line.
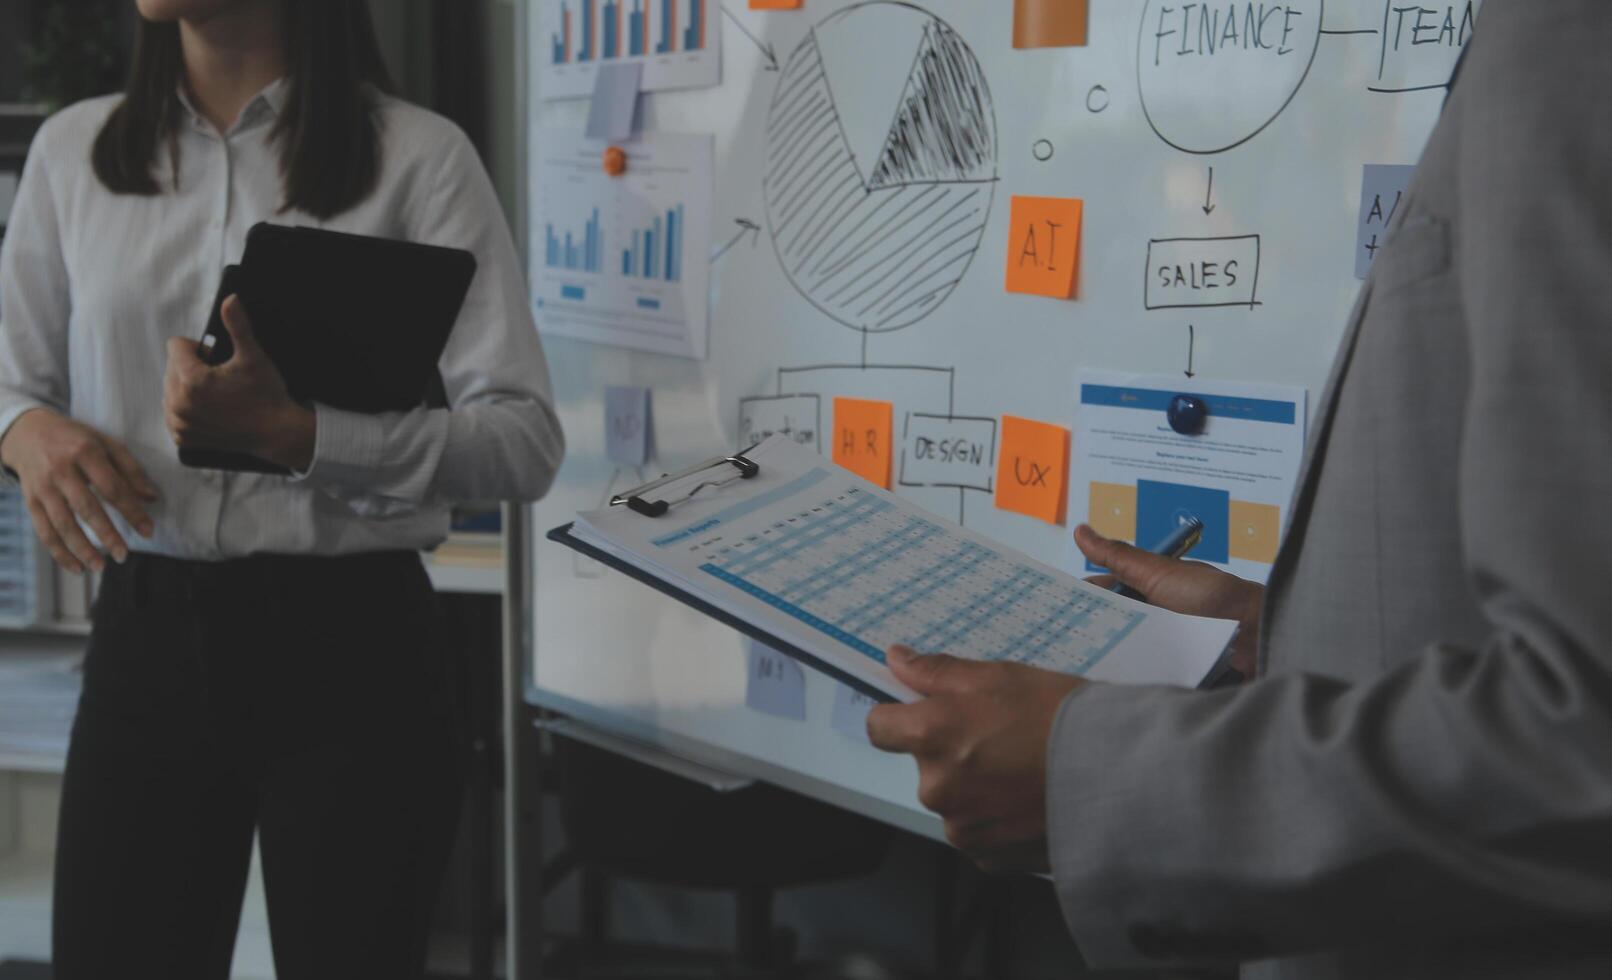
x=1213, y=75
x=881, y=164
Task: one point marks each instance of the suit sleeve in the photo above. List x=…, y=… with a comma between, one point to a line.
x=1468, y=793
x=501, y=439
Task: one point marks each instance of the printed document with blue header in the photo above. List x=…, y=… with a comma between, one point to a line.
x=841, y=569
x=1136, y=478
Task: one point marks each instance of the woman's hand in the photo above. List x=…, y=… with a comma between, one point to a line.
x=68, y=472
x=239, y=406
x=1182, y=586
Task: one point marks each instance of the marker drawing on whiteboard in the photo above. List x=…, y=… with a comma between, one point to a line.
x=1420, y=43
x=1213, y=76
x=948, y=451
x=876, y=219
x=1202, y=272
x=938, y=448
x=1417, y=43
x=746, y=227
x=766, y=50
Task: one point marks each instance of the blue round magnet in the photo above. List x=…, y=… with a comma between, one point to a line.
x=1187, y=414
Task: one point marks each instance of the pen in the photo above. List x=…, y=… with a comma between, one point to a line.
x=1175, y=545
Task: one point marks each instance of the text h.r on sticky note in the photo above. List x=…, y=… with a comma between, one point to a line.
x=1032, y=470
x=862, y=432
x=1044, y=246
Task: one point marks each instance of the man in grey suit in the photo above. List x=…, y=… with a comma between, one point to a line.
x=1419, y=781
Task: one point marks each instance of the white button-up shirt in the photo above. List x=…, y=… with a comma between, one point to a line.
x=93, y=284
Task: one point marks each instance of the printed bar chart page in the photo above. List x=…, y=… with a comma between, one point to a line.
x=679, y=44
x=623, y=260
x=842, y=569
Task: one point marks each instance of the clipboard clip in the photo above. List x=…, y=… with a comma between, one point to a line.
x=636, y=501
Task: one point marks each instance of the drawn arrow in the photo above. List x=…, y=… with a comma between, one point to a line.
x=1192, y=342
x=1209, y=208
x=746, y=227
x=765, y=49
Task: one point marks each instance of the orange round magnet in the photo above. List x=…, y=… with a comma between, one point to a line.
x=615, y=161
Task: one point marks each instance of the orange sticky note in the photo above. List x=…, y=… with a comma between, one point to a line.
x=1255, y=531
x=1111, y=510
x=1032, y=468
x=1044, y=246
x=1049, y=23
x=862, y=438
x=783, y=4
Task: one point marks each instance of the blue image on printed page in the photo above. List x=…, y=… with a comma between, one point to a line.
x=1161, y=507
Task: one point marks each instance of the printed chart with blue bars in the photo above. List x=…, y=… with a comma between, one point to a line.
x=602, y=29
x=857, y=569
x=675, y=39
x=654, y=252
x=620, y=260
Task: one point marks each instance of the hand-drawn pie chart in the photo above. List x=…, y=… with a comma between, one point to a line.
x=881, y=164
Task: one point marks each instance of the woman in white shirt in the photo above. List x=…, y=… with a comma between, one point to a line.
x=262, y=657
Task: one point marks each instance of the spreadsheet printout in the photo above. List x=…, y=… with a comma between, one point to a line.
x=843, y=570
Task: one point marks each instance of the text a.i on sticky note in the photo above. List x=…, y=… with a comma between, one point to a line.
x=1043, y=256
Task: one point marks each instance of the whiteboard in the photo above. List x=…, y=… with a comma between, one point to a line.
x=1287, y=102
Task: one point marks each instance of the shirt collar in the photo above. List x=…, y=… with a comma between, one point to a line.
x=267, y=104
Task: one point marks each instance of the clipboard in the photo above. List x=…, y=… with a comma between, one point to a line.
x=648, y=505
x=639, y=501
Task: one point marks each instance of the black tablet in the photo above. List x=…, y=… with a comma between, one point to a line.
x=351, y=321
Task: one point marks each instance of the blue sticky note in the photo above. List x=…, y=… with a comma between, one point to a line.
x=612, y=113
x=776, y=684
x=628, y=439
x=1382, y=191
x=1161, y=507
x=850, y=715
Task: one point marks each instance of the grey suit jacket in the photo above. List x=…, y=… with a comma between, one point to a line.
x=1420, y=782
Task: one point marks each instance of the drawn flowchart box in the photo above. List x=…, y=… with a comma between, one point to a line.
x=1197, y=272
x=800, y=417
x=948, y=451
x=1420, y=42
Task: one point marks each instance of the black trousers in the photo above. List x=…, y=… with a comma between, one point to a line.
x=305, y=699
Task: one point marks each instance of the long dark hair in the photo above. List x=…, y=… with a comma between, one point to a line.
x=328, y=135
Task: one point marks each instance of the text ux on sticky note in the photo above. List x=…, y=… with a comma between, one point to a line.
x=1032, y=470
x=862, y=438
x=1044, y=246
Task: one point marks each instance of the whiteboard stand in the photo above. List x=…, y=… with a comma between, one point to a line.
x=523, y=789
x=715, y=780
